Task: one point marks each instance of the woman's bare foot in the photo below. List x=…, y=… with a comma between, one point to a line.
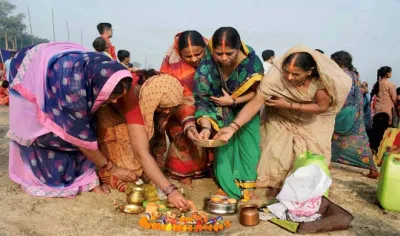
x=186, y=181
x=272, y=193
x=373, y=174
x=104, y=189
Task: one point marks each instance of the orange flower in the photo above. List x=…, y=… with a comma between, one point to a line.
x=221, y=227
x=210, y=228
x=179, y=228
x=227, y=224
x=190, y=228
x=143, y=221
x=216, y=228
x=163, y=227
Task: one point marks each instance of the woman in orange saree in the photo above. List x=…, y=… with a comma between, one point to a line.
x=184, y=160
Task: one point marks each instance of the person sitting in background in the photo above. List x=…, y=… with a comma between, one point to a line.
x=124, y=57
x=4, y=93
x=106, y=32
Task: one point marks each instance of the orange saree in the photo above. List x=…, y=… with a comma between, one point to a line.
x=184, y=159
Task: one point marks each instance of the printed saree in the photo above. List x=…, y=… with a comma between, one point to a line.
x=286, y=134
x=184, y=159
x=351, y=147
x=239, y=158
x=55, y=90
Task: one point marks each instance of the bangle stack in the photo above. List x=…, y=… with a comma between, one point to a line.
x=234, y=126
x=169, y=189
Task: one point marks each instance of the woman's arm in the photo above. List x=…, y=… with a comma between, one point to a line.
x=249, y=110
x=95, y=156
x=246, y=97
x=392, y=93
x=140, y=145
x=321, y=104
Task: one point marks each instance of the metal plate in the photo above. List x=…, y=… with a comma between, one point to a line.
x=210, y=143
x=131, y=209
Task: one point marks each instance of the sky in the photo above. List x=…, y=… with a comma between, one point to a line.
x=368, y=29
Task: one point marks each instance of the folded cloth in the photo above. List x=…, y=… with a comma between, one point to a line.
x=281, y=212
x=306, y=208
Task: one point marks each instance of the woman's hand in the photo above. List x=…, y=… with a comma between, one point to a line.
x=225, y=133
x=178, y=201
x=123, y=174
x=278, y=103
x=225, y=100
x=205, y=134
x=192, y=133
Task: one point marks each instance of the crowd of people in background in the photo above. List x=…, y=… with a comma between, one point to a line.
x=269, y=112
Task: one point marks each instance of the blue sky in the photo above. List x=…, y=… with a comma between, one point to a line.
x=368, y=29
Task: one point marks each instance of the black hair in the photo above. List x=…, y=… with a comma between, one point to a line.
x=356, y=72
x=398, y=91
x=13, y=53
x=319, y=50
x=99, y=44
x=192, y=36
x=122, y=54
x=343, y=59
x=304, y=61
x=231, y=37
x=267, y=54
x=101, y=27
x=382, y=72
x=145, y=75
x=5, y=84
x=123, y=84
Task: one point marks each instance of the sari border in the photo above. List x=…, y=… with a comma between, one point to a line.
x=107, y=89
x=246, y=85
x=213, y=122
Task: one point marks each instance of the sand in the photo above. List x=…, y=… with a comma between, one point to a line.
x=95, y=214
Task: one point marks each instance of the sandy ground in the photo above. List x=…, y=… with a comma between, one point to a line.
x=94, y=214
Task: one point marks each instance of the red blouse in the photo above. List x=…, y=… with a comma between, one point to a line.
x=129, y=105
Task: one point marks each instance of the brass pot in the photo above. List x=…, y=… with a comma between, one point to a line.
x=136, y=197
x=248, y=215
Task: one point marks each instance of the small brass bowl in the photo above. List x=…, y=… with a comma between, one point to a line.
x=210, y=143
x=131, y=209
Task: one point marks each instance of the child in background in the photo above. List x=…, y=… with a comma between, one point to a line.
x=125, y=58
x=4, y=99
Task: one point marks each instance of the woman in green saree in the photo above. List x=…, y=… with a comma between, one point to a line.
x=225, y=81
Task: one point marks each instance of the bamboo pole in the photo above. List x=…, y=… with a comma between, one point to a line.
x=68, y=31
x=54, y=30
x=30, y=25
x=6, y=39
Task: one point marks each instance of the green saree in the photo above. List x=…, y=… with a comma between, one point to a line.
x=239, y=158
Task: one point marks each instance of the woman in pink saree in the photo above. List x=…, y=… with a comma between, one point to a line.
x=55, y=90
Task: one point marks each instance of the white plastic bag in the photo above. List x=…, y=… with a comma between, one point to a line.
x=305, y=183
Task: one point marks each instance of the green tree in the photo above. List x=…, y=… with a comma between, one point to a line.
x=14, y=27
